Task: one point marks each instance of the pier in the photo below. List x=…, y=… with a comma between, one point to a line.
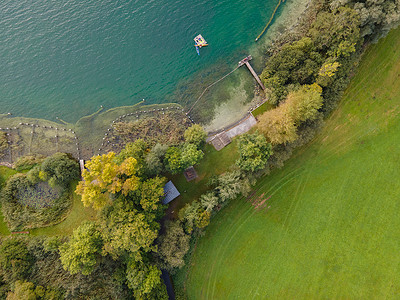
x=245, y=61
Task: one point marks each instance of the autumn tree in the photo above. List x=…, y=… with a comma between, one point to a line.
x=303, y=104
x=277, y=126
x=103, y=176
x=80, y=253
x=254, y=151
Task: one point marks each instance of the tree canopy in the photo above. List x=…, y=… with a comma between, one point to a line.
x=80, y=253
x=254, y=152
x=103, y=176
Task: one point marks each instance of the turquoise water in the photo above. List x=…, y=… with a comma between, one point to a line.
x=65, y=58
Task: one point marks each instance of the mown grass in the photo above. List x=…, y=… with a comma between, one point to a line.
x=262, y=109
x=331, y=227
x=214, y=163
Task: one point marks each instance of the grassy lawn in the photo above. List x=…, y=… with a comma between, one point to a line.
x=330, y=227
x=214, y=163
x=262, y=109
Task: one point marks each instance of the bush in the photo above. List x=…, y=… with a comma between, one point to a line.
x=60, y=169
x=28, y=162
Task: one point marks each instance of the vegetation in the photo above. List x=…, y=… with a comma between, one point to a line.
x=40, y=197
x=254, y=152
x=309, y=237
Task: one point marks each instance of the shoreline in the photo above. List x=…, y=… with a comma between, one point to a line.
x=91, y=128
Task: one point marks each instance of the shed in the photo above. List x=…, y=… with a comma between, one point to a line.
x=170, y=192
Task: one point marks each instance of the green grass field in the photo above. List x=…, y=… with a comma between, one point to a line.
x=330, y=226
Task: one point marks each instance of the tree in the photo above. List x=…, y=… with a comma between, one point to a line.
x=125, y=229
x=24, y=291
x=81, y=252
x=103, y=176
x=173, y=160
x=173, y=245
x=142, y=278
x=138, y=149
x=254, y=151
x=189, y=215
x=190, y=155
x=209, y=201
x=15, y=260
x=336, y=33
x=151, y=191
x=154, y=160
x=303, y=104
x=195, y=134
x=230, y=185
x=277, y=126
x=60, y=169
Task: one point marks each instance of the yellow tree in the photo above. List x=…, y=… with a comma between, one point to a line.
x=277, y=126
x=103, y=176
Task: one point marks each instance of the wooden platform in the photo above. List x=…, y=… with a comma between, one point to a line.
x=190, y=174
x=221, y=140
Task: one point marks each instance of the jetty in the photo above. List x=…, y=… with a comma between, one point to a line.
x=245, y=61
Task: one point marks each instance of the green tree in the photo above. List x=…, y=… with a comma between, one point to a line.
x=190, y=155
x=189, y=215
x=195, y=134
x=173, y=160
x=154, y=160
x=125, y=229
x=254, y=151
x=142, y=278
x=230, y=185
x=209, y=200
x=15, y=260
x=60, y=169
x=173, y=245
x=81, y=252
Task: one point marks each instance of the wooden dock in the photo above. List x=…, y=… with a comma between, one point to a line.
x=245, y=61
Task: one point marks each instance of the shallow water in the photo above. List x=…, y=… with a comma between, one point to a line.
x=65, y=58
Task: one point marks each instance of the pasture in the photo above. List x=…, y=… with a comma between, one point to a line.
x=326, y=226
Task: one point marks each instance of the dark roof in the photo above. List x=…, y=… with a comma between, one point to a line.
x=170, y=192
x=190, y=174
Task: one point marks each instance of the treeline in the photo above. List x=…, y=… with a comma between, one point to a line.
x=308, y=69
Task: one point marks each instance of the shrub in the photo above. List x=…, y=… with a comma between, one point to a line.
x=28, y=162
